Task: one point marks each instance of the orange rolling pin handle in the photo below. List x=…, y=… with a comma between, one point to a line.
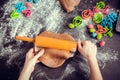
x=55, y=43
x=48, y=42
x=24, y=39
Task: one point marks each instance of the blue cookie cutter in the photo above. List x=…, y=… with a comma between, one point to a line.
x=34, y=1
x=109, y=23
x=104, y=22
x=20, y=6
x=29, y=0
x=113, y=16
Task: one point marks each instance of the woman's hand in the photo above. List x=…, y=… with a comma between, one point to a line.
x=31, y=60
x=87, y=49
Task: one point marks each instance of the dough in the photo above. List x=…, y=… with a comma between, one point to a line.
x=69, y=5
x=52, y=57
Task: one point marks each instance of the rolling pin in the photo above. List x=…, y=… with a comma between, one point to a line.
x=53, y=43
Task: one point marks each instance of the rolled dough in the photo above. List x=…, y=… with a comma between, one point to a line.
x=69, y=5
x=52, y=57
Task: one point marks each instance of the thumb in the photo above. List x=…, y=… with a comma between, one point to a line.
x=79, y=44
x=39, y=54
x=38, y=61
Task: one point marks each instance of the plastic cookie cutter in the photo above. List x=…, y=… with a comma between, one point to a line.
x=108, y=32
x=105, y=10
x=95, y=10
x=86, y=14
x=109, y=23
x=103, y=22
x=15, y=14
x=20, y=6
x=27, y=13
x=100, y=29
x=34, y=1
x=77, y=21
x=100, y=5
x=97, y=18
x=113, y=16
x=29, y=0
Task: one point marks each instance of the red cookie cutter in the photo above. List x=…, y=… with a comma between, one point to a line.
x=101, y=30
x=95, y=10
x=27, y=13
x=105, y=10
x=86, y=14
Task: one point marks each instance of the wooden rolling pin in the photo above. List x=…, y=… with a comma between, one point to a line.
x=48, y=42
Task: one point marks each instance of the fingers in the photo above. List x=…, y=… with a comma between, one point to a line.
x=38, y=61
x=88, y=43
x=79, y=44
x=39, y=54
x=30, y=52
x=84, y=43
x=35, y=48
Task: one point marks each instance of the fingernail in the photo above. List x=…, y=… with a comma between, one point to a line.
x=73, y=50
x=79, y=40
x=35, y=49
x=41, y=50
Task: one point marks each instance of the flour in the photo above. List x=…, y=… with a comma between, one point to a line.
x=69, y=69
x=46, y=15
x=104, y=55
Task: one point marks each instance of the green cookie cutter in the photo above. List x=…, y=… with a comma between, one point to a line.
x=15, y=14
x=100, y=5
x=97, y=18
x=108, y=32
x=77, y=21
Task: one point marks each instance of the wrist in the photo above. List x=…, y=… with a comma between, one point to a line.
x=28, y=68
x=26, y=71
x=92, y=59
x=24, y=75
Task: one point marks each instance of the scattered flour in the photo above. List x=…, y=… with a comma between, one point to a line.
x=42, y=73
x=104, y=55
x=46, y=15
